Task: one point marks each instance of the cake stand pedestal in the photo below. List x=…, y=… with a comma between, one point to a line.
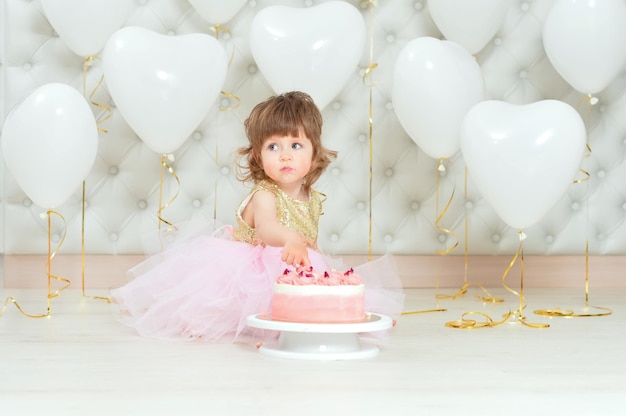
x=311, y=341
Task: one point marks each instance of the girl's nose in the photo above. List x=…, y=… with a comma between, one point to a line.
x=285, y=155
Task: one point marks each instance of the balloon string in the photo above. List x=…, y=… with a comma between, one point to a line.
x=224, y=109
x=466, y=230
x=441, y=168
x=511, y=264
x=217, y=29
x=234, y=97
x=12, y=300
x=568, y=313
x=50, y=276
x=101, y=119
x=371, y=4
x=465, y=322
x=586, y=174
x=422, y=311
x=169, y=169
x=368, y=74
x=520, y=312
x=463, y=290
x=588, y=99
x=217, y=161
x=587, y=272
x=107, y=110
x=82, y=250
x=439, y=217
x=51, y=255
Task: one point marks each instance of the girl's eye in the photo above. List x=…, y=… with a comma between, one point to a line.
x=296, y=146
x=272, y=146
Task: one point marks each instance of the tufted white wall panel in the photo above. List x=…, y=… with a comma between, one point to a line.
x=122, y=189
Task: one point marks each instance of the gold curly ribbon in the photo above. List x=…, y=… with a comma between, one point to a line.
x=519, y=313
x=603, y=311
x=439, y=216
x=234, y=97
x=466, y=323
x=586, y=174
x=517, y=255
x=437, y=309
x=488, y=298
x=367, y=73
x=166, y=167
x=51, y=255
x=107, y=110
x=219, y=28
x=568, y=313
x=442, y=168
x=463, y=290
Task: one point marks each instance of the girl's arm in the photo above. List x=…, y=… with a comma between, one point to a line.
x=273, y=233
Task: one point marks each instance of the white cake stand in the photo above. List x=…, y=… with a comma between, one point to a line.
x=320, y=341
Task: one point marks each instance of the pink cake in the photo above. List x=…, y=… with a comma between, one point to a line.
x=312, y=297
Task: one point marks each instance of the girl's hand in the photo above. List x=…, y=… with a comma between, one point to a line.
x=295, y=253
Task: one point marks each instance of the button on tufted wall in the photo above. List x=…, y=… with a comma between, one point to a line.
x=407, y=192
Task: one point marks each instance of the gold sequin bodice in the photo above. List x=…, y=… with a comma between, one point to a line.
x=300, y=216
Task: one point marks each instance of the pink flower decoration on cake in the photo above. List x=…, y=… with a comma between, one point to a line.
x=327, y=280
x=308, y=276
x=334, y=278
x=302, y=278
x=351, y=278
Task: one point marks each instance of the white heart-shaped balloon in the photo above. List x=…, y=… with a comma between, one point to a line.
x=50, y=142
x=586, y=41
x=523, y=157
x=163, y=85
x=314, y=49
x=435, y=83
x=217, y=11
x=85, y=26
x=470, y=23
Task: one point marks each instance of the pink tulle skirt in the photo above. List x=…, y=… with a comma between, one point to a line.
x=204, y=289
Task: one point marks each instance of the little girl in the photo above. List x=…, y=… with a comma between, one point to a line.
x=206, y=287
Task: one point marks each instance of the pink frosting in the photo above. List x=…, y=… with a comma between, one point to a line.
x=308, y=276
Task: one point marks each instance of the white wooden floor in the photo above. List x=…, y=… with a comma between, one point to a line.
x=81, y=361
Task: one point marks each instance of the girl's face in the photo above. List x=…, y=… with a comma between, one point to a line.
x=287, y=160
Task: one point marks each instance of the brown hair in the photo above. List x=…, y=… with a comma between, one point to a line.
x=286, y=115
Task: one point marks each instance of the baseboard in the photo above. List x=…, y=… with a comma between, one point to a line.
x=105, y=271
